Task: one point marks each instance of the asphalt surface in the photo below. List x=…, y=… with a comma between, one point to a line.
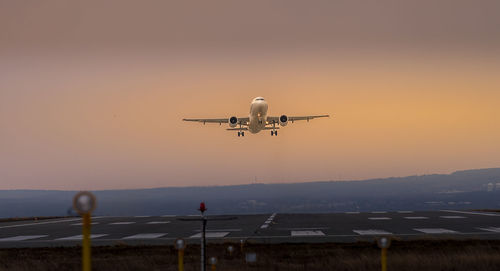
x=263, y=228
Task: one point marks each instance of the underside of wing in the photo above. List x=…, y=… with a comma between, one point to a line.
x=242, y=121
x=294, y=118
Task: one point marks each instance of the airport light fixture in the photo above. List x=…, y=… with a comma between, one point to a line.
x=85, y=203
x=180, y=245
x=384, y=243
x=230, y=250
x=213, y=263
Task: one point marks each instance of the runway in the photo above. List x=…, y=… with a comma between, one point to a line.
x=263, y=228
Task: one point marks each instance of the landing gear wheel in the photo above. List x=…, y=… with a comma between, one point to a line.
x=239, y=134
x=276, y=133
x=272, y=133
x=242, y=133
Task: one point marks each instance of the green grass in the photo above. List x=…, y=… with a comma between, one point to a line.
x=403, y=255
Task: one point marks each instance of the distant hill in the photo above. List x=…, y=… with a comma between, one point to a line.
x=467, y=189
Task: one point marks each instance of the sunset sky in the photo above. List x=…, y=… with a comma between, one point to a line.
x=92, y=94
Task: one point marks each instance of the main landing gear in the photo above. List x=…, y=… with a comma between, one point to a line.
x=241, y=133
x=274, y=133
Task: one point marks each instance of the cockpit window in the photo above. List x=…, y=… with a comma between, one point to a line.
x=260, y=99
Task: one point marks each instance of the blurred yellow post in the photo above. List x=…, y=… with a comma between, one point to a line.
x=84, y=203
x=86, y=263
x=384, y=259
x=213, y=267
x=181, y=259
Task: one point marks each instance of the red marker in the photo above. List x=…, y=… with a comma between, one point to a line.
x=202, y=207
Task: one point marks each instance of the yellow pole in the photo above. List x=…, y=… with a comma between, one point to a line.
x=213, y=267
x=86, y=264
x=384, y=259
x=181, y=259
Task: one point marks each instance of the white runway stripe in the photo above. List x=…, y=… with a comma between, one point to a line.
x=40, y=223
x=122, y=223
x=307, y=233
x=379, y=218
x=452, y=216
x=470, y=213
x=265, y=226
x=491, y=229
x=371, y=232
x=158, y=222
x=21, y=238
x=145, y=236
x=211, y=235
x=435, y=230
x=80, y=237
x=416, y=217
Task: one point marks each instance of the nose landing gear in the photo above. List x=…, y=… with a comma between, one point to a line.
x=274, y=133
x=241, y=134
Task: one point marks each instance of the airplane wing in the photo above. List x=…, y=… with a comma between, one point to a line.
x=296, y=118
x=242, y=121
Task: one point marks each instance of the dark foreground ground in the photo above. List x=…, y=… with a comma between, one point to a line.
x=403, y=255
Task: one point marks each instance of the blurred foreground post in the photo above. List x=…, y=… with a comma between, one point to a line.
x=213, y=263
x=384, y=244
x=84, y=203
x=180, y=245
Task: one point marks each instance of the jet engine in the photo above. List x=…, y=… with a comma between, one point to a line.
x=283, y=120
x=233, y=121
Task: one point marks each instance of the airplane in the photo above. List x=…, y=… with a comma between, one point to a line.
x=258, y=120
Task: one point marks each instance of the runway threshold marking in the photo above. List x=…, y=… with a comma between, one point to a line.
x=379, y=218
x=268, y=221
x=39, y=223
x=307, y=233
x=21, y=238
x=211, y=235
x=435, y=230
x=145, y=236
x=372, y=232
x=470, y=213
x=79, y=237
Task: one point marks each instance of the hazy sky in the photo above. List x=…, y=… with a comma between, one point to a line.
x=92, y=94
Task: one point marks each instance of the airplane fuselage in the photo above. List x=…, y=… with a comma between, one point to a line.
x=258, y=115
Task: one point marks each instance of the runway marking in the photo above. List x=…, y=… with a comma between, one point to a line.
x=416, y=217
x=142, y=216
x=21, y=238
x=81, y=224
x=379, y=218
x=435, y=230
x=158, y=222
x=80, y=237
x=122, y=223
x=145, y=236
x=372, y=232
x=351, y=213
x=211, y=235
x=470, y=213
x=268, y=221
x=40, y=223
x=307, y=233
x=379, y=212
x=490, y=229
x=405, y=212
x=452, y=216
